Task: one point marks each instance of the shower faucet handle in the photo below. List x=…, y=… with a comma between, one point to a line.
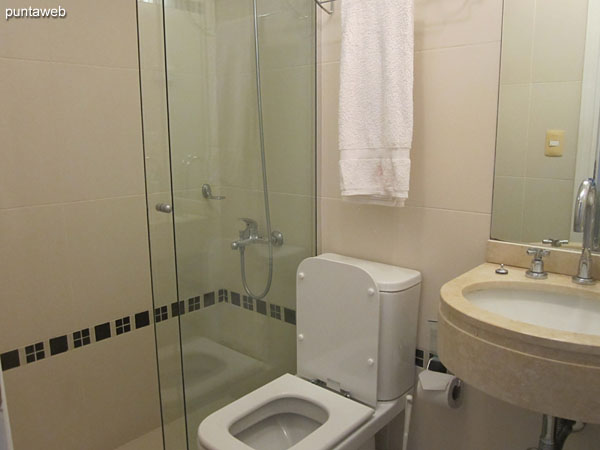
x=251, y=229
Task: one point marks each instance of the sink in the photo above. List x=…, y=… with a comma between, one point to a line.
x=532, y=343
x=573, y=311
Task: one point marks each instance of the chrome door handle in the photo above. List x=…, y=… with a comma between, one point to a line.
x=164, y=207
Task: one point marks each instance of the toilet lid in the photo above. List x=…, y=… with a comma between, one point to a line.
x=338, y=326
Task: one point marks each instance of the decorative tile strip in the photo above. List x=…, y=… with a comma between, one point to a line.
x=60, y=344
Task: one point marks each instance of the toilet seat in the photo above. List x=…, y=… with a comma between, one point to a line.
x=343, y=415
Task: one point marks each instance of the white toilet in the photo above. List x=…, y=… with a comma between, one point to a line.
x=356, y=336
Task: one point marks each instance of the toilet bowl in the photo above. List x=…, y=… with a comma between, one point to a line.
x=288, y=412
x=356, y=330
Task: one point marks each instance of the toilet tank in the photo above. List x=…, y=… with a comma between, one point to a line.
x=397, y=341
x=351, y=312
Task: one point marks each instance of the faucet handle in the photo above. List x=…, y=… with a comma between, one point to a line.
x=250, y=223
x=537, y=271
x=251, y=228
x=538, y=253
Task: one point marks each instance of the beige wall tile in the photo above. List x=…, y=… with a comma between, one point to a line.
x=455, y=115
x=452, y=23
x=517, y=41
x=329, y=35
x=97, y=114
x=156, y=140
x=328, y=136
x=108, y=261
x=287, y=34
x=553, y=106
x=239, y=147
x=69, y=143
x=34, y=170
x=234, y=31
x=186, y=34
x=162, y=246
x=97, y=33
x=197, y=243
x=513, y=123
x=437, y=25
x=194, y=160
x=542, y=218
x=18, y=40
x=440, y=244
x=358, y=230
x=71, y=401
x=507, y=211
x=293, y=215
x=559, y=40
x=289, y=126
x=151, y=36
x=33, y=275
x=154, y=97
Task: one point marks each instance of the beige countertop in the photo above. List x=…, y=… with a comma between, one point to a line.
x=547, y=370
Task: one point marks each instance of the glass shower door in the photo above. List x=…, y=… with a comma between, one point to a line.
x=232, y=124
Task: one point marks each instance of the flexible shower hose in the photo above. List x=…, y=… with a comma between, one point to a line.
x=263, y=160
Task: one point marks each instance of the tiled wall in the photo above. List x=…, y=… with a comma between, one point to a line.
x=540, y=89
x=443, y=230
x=73, y=231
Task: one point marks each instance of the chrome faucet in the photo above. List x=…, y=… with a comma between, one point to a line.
x=537, y=271
x=250, y=235
x=583, y=221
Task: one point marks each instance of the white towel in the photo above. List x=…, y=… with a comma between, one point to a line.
x=376, y=100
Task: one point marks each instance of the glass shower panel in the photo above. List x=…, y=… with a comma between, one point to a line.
x=162, y=243
x=233, y=343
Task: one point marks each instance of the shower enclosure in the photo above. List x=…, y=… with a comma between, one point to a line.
x=228, y=93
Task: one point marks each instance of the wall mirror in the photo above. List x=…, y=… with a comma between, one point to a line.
x=549, y=103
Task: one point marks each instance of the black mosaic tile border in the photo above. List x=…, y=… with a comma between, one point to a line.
x=422, y=357
x=263, y=308
x=419, y=355
x=71, y=341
